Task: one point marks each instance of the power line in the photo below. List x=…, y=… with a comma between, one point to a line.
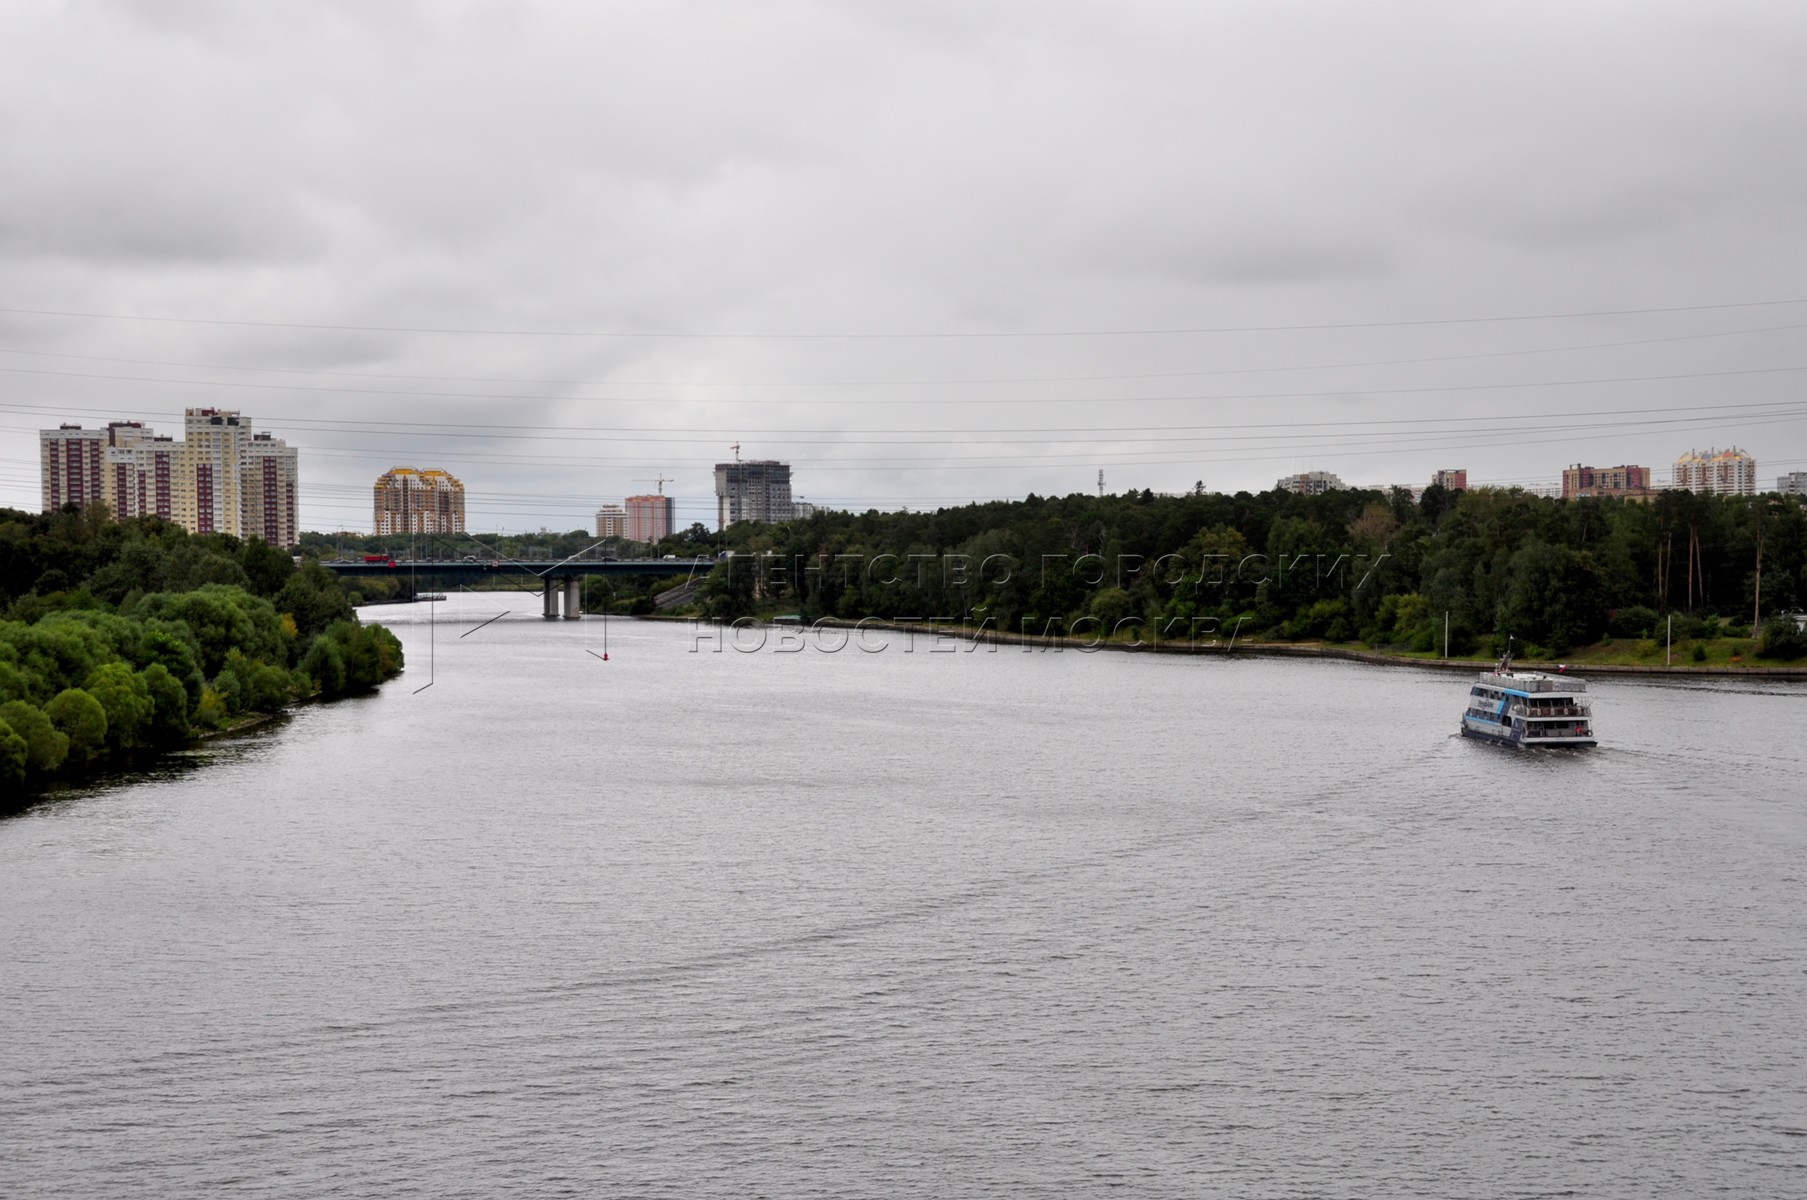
x=896, y=336
x=1315, y=393
x=873, y=383
x=1273, y=446
x=956, y=436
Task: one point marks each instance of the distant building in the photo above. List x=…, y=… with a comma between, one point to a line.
x=1793, y=484
x=1310, y=483
x=1717, y=472
x=753, y=491
x=611, y=521
x=220, y=478
x=1625, y=482
x=210, y=498
x=650, y=518
x=1455, y=479
x=69, y=466
x=411, y=501
x=803, y=510
x=142, y=472
x=268, y=491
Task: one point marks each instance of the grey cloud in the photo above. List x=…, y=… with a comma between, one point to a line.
x=890, y=167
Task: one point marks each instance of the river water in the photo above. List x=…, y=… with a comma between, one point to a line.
x=937, y=922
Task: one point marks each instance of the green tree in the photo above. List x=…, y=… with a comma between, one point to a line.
x=53, y=656
x=211, y=712
x=266, y=568
x=1782, y=639
x=1111, y=606
x=269, y=688
x=233, y=683
x=169, y=705
x=46, y=746
x=312, y=596
x=80, y=718
x=14, y=683
x=222, y=618
x=1553, y=597
x=126, y=700
x=172, y=645
x=12, y=757
x=325, y=666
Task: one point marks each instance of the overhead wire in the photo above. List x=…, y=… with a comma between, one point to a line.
x=924, y=382
x=1443, y=434
x=958, y=335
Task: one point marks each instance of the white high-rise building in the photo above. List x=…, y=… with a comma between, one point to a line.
x=1311, y=483
x=611, y=521
x=1792, y=484
x=1717, y=472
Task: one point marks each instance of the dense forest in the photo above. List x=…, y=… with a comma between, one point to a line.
x=1346, y=566
x=124, y=636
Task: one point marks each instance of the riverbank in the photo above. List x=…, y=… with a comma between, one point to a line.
x=1581, y=663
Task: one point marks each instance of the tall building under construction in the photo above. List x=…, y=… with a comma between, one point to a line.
x=758, y=490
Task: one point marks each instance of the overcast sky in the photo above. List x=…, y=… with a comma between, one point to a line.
x=926, y=252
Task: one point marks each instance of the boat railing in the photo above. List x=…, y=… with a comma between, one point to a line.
x=1532, y=683
x=1551, y=710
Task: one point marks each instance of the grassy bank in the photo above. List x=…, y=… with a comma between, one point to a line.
x=1629, y=656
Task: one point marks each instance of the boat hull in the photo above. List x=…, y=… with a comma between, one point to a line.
x=1536, y=744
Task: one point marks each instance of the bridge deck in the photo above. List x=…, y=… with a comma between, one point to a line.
x=485, y=568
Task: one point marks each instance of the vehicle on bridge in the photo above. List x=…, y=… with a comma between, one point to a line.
x=380, y=558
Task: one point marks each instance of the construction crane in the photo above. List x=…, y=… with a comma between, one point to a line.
x=662, y=480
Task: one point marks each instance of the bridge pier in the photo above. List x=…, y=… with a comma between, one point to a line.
x=549, y=599
x=574, y=598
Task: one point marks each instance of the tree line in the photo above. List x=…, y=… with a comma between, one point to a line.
x=123, y=636
x=1374, y=567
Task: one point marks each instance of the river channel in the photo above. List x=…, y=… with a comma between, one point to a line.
x=920, y=920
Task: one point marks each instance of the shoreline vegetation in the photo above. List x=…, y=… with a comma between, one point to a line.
x=1604, y=660
x=122, y=639
x=1596, y=583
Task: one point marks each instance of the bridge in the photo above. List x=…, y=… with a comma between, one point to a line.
x=555, y=577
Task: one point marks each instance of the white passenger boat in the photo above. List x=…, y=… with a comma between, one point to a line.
x=1528, y=708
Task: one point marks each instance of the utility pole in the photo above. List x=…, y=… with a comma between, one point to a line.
x=1757, y=607
x=1101, y=481
x=1446, y=633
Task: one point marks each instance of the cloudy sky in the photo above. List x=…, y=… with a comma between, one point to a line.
x=925, y=251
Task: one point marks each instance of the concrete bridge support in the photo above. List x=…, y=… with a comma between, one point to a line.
x=549, y=599
x=574, y=599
